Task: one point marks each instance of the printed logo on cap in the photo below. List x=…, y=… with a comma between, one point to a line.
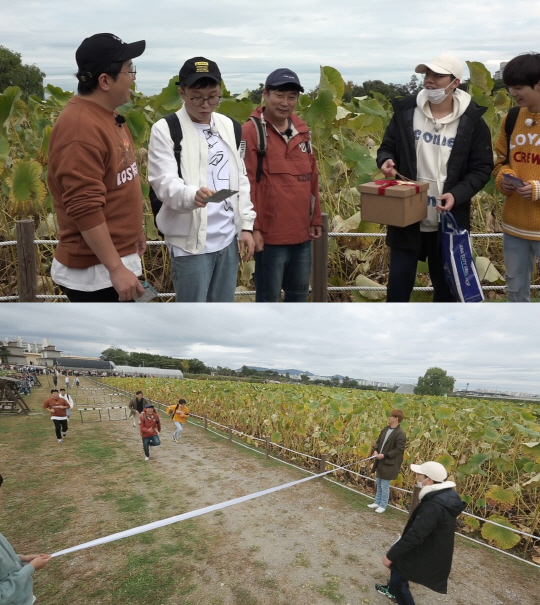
x=202, y=67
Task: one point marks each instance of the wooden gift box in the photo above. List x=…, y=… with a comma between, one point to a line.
x=396, y=203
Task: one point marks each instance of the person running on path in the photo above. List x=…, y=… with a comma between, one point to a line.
x=150, y=427
x=58, y=408
x=179, y=413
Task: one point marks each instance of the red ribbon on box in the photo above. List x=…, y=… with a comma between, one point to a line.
x=384, y=184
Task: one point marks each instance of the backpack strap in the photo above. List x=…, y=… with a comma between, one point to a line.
x=237, y=132
x=511, y=119
x=261, y=145
x=176, y=135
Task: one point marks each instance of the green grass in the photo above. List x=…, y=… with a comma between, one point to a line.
x=330, y=590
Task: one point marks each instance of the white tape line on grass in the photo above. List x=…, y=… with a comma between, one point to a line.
x=195, y=513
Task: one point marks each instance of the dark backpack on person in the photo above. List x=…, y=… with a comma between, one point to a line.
x=176, y=136
x=511, y=119
x=262, y=145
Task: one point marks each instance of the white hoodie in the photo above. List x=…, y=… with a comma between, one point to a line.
x=434, y=139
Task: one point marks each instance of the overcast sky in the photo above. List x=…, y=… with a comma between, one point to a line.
x=485, y=345
x=364, y=40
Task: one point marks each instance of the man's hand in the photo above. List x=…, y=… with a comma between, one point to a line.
x=37, y=561
x=259, y=241
x=525, y=191
x=125, y=282
x=386, y=561
x=389, y=169
x=379, y=456
x=507, y=186
x=447, y=204
x=247, y=245
x=315, y=231
x=201, y=195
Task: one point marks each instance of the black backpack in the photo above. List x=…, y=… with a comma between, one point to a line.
x=509, y=129
x=176, y=136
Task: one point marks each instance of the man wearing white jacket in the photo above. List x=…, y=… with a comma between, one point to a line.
x=202, y=236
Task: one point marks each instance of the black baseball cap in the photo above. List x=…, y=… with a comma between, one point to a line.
x=197, y=68
x=282, y=76
x=97, y=52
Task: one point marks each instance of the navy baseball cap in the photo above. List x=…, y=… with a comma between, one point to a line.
x=149, y=405
x=97, y=52
x=282, y=76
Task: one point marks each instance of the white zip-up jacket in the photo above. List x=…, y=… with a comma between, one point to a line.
x=182, y=223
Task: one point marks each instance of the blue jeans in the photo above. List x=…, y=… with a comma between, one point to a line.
x=147, y=442
x=206, y=277
x=519, y=257
x=383, y=492
x=286, y=267
x=399, y=587
x=178, y=429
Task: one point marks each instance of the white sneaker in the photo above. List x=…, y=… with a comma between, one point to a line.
x=373, y=505
x=134, y=423
x=59, y=440
x=380, y=509
x=146, y=458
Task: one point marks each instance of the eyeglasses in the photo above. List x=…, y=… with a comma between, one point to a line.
x=198, y=101
x=132, y=71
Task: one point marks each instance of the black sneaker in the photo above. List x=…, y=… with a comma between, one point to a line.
x=383, y=589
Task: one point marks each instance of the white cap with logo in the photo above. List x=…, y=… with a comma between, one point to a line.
x=433, y=470
x=442, y=64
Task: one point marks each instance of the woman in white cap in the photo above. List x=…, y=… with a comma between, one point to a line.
x=437, y=137
x=424, y=553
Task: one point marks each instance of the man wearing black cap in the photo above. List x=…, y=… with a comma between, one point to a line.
x=202, y=236
x=94, y=180
x=284, y=191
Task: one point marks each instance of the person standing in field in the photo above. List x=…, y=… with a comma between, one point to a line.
x=150, y=427
x=67, y=382
x=179, y=413
x=388, y=451
x=284, y=190
x=136, y=405
x=203, y=237
x=518, y=156
x=58, y=408
x=424, y=552
x=94, y=180
x=16, y=583
x=438, y=137
x=69, y=399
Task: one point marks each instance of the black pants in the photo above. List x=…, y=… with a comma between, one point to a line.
x=403, y=265
x=60, y=425
x=98, y=296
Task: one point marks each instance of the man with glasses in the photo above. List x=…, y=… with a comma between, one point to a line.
x=438, y=137
x=202, y=236
x=94, y=180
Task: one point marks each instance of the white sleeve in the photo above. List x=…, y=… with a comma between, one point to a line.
x=245, y=206
x=163, y=171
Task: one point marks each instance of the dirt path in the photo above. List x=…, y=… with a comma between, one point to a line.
x=308, y=545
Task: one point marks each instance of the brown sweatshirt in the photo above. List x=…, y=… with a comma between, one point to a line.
x=93, y=178
x=52, y=404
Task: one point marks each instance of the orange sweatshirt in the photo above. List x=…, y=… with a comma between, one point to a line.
x=179, y=414
x=520, y=217
x=93, y=178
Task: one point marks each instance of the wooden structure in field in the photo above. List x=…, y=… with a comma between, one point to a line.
x=11, y=401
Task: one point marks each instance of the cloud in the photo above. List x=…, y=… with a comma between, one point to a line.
x=487, y=345
x=363, y=40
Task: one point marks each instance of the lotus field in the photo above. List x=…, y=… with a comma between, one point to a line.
x=346, y=136
x=491, y=449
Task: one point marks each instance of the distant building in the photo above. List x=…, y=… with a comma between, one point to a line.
x=499, y=73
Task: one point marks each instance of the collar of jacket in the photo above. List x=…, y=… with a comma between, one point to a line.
x=436, y=487
x=400, y=105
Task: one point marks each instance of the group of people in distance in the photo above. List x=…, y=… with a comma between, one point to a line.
x=150, y=423
x=273, y=210
x=423, y=554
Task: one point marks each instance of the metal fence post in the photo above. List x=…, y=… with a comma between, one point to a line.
x=322, y=463
x=266, y=447
x=26, y=257
x=319, y=277
x=230, y=432
x=206, y=423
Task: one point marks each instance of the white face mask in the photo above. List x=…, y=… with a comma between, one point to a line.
x=420, y=483
x=438, y=95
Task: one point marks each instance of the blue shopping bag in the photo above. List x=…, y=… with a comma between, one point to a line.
x=459, y=268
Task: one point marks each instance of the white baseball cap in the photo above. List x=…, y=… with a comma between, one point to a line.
x=442, y=64
x=433, y=470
